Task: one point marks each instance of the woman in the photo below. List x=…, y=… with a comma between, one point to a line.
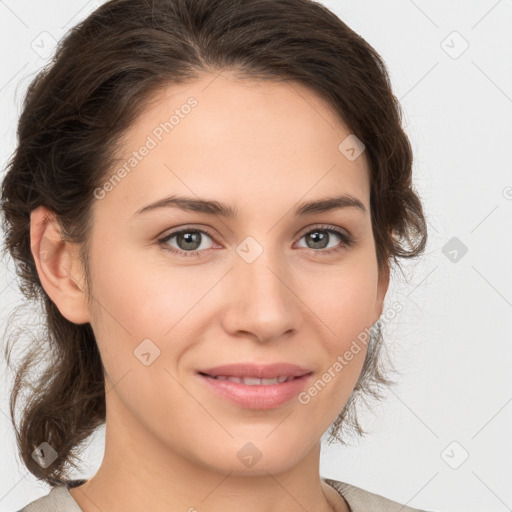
x=207, y=196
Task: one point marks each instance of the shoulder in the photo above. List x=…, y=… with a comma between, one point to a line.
x=360, y=500
x=58, y=499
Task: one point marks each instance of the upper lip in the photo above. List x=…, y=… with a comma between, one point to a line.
x=259, y=371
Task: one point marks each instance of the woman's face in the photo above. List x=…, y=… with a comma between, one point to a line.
x=263, y=286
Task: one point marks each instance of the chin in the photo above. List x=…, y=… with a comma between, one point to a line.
x=255, y=458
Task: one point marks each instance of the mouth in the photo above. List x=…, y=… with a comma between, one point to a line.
x=256, y=386
x=252, y=381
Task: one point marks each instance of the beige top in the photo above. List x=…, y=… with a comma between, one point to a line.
x=59, y=499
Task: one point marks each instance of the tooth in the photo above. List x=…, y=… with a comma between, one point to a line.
x=254, y=381
x=251, y=381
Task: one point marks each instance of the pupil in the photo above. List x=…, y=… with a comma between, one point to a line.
x=190, y=240
x=319, y=237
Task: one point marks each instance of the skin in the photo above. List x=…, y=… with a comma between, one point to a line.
x=171, y=444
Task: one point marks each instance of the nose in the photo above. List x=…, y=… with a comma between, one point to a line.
x=262, y=302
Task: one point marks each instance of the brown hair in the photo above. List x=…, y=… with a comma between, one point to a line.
x=77, y=108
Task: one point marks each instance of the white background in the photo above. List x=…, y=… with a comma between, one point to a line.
x=452, y=341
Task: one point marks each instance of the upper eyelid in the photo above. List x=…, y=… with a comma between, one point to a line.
x=326, y=227
x=300, y=234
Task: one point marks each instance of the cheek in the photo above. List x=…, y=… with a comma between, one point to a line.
x=345, y=302
x=140, y=308
x=140, y=350
x=131, y=293
x=344, y=299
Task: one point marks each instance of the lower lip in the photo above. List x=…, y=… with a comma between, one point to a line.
x=259, y=396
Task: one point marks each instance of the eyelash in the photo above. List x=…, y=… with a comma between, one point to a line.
x=347, y=241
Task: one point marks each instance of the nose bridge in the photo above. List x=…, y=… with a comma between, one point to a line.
x=258, y=267
x=262, y=299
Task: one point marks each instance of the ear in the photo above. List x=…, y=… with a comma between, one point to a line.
x=58, y=266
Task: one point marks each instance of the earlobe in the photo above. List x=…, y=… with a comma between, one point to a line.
x=58, y=266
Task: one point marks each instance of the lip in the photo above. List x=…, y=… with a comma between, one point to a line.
x=257, y=396
x=259, y=371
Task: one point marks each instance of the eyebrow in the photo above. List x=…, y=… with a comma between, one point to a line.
x=215, y=208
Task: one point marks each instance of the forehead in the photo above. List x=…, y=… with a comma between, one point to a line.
x=239, y=140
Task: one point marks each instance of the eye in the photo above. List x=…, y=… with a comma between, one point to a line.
x=320, y=236
x=190, y=240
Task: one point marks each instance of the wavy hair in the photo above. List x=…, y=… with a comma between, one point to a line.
x=74, y=114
